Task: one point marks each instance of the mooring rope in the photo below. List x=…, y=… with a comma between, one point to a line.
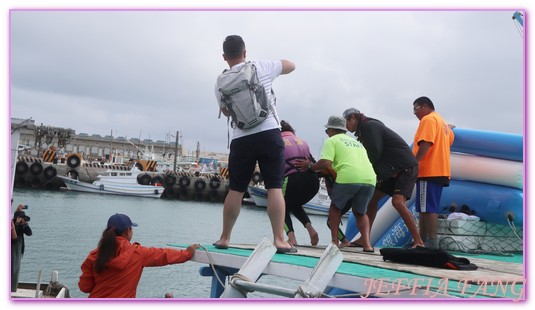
x=513, y=227
x=243, y=290
x=212, y=265
x=304, y=294
x=56, y=287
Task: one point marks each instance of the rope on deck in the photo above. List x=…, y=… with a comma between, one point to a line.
x=55, y=287
x=212, y=265
x=243, y=290
x=513, y=227
x=304, y=294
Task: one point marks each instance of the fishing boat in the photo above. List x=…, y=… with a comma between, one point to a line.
x=116, y=182
x=258, y=194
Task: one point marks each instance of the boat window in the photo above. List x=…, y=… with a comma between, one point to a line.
x=114, y=174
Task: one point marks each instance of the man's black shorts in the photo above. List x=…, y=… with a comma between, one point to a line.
x=402, y=184
x=267, y=148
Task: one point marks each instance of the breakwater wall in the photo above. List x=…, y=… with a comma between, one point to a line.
x=33, y=172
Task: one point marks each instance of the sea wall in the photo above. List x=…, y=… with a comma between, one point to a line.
x=33, y=172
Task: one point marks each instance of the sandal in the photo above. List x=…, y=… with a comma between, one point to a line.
x=221, y=247
x=284, y=250
x=355, y=245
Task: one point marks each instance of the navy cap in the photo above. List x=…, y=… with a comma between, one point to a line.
x=120, y=222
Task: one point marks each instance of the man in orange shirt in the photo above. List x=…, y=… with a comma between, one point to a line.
x=114, y=268
x=431, y=148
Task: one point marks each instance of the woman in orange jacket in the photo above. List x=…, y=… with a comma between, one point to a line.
x=114, y=268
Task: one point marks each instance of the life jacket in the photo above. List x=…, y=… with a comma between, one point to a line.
x=294, y=148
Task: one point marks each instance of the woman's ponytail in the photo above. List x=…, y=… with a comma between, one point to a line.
x=107, y=246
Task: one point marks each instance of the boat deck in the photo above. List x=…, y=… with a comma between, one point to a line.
x=26, y=293
x=367, y=275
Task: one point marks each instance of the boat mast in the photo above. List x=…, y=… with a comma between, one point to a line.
x=111, y=147
x=176, y=151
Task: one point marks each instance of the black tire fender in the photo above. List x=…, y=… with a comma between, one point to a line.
x=21, y=168
x=169, y=180
x=184, y=182
x=36, y=168
x=50, y=172
x=144, y=179
x=200, y=185
x=73, y=161
x=215, y=182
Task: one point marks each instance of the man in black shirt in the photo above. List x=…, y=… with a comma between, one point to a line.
x=394, y=164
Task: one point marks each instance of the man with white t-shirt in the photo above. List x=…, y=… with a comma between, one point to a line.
x=262, y=143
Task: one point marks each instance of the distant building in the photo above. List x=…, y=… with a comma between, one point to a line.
x=96, y=147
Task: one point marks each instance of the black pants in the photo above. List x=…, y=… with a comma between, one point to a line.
x=298, y=188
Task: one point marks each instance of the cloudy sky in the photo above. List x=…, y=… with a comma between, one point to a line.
x=146, y=73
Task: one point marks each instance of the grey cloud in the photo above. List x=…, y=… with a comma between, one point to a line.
x=153, y=71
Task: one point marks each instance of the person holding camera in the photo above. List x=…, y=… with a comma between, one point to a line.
x=19, y=228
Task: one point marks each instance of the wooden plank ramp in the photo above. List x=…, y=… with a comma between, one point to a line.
x=368, y=275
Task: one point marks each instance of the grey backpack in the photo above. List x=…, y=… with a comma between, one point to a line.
x=244, y=96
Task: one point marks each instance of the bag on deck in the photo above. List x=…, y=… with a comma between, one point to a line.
x=244, y=96
x=426, y=257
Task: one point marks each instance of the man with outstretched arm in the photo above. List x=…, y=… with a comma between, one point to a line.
x=262, y=143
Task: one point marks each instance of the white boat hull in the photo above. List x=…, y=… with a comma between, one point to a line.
x=319, y=205
x=124, y=189
x=259, y=195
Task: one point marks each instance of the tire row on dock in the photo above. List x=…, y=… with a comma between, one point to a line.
x=35, y=173
x=187, y=185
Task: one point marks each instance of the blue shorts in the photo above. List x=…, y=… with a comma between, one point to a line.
x=267, y=148
x=359, y=194
x=428, y=196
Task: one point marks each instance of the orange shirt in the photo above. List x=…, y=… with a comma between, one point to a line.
x=122, y=273
x=436, y=162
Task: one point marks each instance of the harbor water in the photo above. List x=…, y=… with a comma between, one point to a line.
x=67, y=226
